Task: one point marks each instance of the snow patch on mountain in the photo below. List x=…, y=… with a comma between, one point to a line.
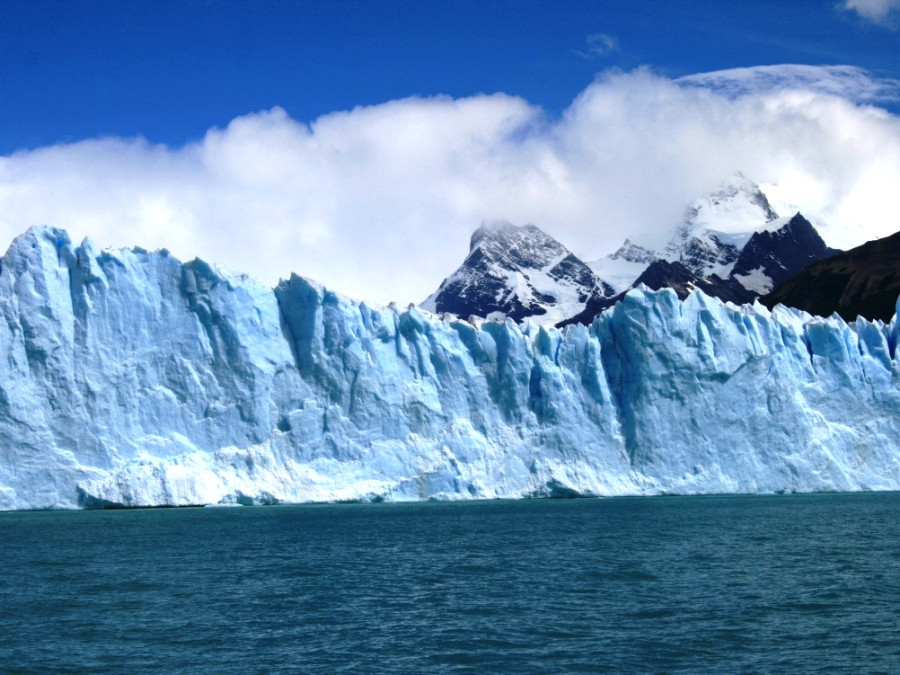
x=755, y=280
x=622, y=267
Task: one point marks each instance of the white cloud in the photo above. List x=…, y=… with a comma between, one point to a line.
x=379, y=202
x=847, y=82
x=879, y=11
x=598, y=44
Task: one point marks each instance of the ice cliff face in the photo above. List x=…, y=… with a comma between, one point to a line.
x=129, y=378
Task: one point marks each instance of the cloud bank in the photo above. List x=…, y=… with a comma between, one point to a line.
x=878, y=11
x=379, y=202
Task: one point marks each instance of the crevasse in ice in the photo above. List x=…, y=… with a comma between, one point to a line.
x=130, y=378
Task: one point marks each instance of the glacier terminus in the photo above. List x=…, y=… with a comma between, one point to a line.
x=129, y=378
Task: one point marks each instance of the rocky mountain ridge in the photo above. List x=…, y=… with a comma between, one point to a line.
x=864, y=281
x=523, y=273
x=519, y=272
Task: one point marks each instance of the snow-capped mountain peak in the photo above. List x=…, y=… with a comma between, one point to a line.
x=737, y=202
x=707, y=241
x=621, y=268
x=730, y=243
x=772, y=255
x=631, y=252
x=516, y=245
x=716, y=227
x=519, y=271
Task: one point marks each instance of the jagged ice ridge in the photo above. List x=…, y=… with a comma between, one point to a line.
x=129, y=378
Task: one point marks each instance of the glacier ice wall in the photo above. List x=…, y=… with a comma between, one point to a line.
x=130, y=378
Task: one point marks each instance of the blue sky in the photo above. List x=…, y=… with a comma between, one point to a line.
x=171, y=69
x=360, y=143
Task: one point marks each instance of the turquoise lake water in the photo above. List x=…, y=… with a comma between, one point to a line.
x=799, y=583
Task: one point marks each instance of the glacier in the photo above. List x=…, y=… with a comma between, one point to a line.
x=129, y=378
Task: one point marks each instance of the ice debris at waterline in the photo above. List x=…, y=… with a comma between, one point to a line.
x=130, y=378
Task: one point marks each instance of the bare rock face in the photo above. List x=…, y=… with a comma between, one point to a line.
x=518, y=271
x=768, y=257
x=771, y=257
x=864, y=281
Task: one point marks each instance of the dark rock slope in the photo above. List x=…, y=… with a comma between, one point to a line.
x=767, y=259
x=520, y=272
x=772, y=257
x=864, y=281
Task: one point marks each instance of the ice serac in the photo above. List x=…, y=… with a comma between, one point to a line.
x=746, y=400
x=129, y=366
x=129, y=378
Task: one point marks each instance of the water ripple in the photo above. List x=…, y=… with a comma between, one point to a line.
x=722, y=584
